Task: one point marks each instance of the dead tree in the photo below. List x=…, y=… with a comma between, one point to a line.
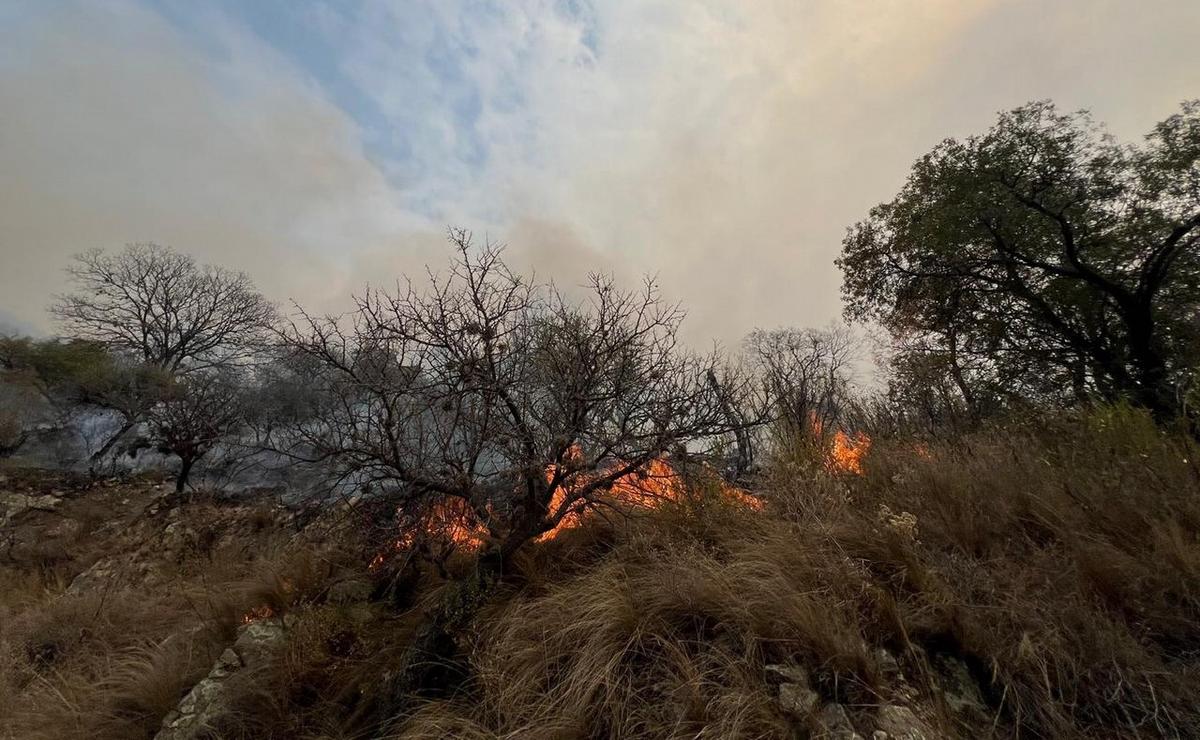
x=478, y=386
x=806, y=373
x=199, y=411
x=163, y=308
x=496, y=391
x=155, y=307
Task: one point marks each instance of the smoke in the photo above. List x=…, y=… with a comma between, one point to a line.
x=723, y=146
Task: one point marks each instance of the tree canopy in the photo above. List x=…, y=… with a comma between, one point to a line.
x=1043, y=259
x=162, y=307
x=495, y=391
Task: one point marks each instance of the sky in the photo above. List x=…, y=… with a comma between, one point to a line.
x=721, y=145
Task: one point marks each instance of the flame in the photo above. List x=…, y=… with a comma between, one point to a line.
x=451, y=523
x=257, y=613
x=645, y=488
x=843, y=453
x=846, y=453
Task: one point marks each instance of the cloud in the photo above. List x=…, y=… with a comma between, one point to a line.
x=724, y=146
x=117, y=128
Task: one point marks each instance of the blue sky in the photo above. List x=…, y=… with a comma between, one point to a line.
x=433, y=96
x=722, y=145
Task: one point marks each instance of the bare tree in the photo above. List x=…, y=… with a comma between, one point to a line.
x=200, y=410
x=496, y=392
x=163, y=308
x=161, y=315
x=806, y=373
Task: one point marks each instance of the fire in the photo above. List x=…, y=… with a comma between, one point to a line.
x=449, y=522
x=846, y=453
x=843, y=453
x=452, y=523
x=258, y=613
x=647, y=488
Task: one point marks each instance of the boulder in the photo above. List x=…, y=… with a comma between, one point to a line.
x=835, y=723
x=798, y=701
x=15, y=504
x=205, y=703
x=899, y=723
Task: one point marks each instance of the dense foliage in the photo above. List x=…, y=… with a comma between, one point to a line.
x=1043, y=260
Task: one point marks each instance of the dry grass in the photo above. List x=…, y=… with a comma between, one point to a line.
x=1059, y=561
x=111, y=660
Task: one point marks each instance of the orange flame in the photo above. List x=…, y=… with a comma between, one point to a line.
x=452, y=523
x=843, y=453
x=646, y=488
x=257, y=613
x=846, y=453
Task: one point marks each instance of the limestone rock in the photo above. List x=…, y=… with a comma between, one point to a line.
x=901, y=724
x=958, y=687
x=835, y=723
x=798, y=701
x=205, y=703
x=15, y=504
x=97, y=575
x=781, y=673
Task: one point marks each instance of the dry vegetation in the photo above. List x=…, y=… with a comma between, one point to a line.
x=1058, y=561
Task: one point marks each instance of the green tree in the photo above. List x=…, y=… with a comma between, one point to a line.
x=1044, y=260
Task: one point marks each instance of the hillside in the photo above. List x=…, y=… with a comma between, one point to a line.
x=1035, y=581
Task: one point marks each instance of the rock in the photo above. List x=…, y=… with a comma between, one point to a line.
x=258, y=640
x=888, y=665
x=958, y=687
x=205, y=703
x=98, y=574
x=781, y=673
x=879, y=735
x=798, y=701
x=835, y=723
x=901, y=724
x=14, y=504
x=350, y=591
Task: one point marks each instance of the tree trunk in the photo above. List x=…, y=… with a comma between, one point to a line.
x=185, y=468
x=745, y=452
x=1153, y=390
x=429, y=666
x=108, y=445
x=960, y=381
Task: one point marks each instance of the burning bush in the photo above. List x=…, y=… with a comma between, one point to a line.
x=504, y=397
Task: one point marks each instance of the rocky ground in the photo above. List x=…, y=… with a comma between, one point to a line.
x=1005, y=586
x=71, y=539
